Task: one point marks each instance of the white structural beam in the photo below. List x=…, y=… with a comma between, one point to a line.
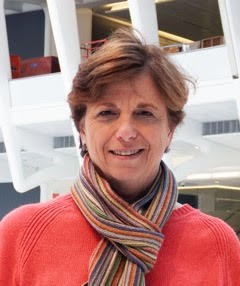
x=47, y=31
x=36, y=143
x=8, y=130
x=144, y=19
x=64, y=26
x=207, y=159
x=229, y=11
x=65, y=31
x=5, y=69
x=201, y=163
x=11, y=134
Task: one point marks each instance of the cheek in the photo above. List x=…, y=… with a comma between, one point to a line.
x=95, y=139
x=87, y=129
x=161, y=139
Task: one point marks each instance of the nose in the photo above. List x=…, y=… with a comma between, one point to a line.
x=126, y=131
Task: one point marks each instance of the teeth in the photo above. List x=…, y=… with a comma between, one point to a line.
x=125, y=152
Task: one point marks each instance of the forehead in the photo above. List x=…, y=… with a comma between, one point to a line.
x=140, y=88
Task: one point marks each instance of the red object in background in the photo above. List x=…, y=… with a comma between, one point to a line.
x=213, y=41
x=89, y=48
x=54, y=195
x=15, y=62
x=38, y=66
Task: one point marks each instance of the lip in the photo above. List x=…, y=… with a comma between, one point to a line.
x=126, y=153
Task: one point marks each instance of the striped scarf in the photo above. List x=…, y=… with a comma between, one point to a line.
x=131, y=233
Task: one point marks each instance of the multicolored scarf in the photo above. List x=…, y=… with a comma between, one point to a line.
x=131, y=233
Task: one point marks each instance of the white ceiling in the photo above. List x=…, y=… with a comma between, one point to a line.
x=215, y=111
x=53, y=129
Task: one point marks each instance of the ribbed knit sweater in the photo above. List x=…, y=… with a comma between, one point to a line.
x=51, y=244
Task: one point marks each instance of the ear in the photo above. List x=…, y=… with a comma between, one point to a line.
x=82, y=131
x=170, y=135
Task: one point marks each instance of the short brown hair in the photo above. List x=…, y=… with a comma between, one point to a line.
x=122, y=56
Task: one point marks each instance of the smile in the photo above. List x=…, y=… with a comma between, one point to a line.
x=126, y=152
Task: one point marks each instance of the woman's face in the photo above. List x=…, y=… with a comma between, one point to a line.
x=126, y=132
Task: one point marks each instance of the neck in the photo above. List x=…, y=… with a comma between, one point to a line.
x=128, y=191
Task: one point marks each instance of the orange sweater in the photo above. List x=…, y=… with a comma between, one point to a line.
x=51, y=243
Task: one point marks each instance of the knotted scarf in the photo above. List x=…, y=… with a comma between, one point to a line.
x=131, y=233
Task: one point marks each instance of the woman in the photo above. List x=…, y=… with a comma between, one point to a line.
x=121, y=224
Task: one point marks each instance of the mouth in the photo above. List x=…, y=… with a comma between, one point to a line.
x=126, y=153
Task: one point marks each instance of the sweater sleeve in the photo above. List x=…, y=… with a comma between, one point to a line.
x=231, y=256
x=12, y=228
x=228, y=246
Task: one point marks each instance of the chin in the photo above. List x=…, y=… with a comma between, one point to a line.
x=121, y=176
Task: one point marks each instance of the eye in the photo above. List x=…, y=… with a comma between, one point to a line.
x=144, y=113
x=107, y=114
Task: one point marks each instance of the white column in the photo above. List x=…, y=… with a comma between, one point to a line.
x=11, y=136
x=84, y=19
x=64, y=26
x=44, y=192
x=144, y=19
x=5, y=69
x=8, y=130
x=47, y=32
x=229, y=11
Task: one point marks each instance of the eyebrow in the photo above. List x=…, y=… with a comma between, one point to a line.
x=140, y=105
x=110, y=104
x=147, y=105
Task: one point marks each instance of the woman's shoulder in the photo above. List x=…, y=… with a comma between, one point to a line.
x=186, y=214
x=196, y=243
x=36, y=215
x=40, y=228
x=203, y=226
x=24, y=212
